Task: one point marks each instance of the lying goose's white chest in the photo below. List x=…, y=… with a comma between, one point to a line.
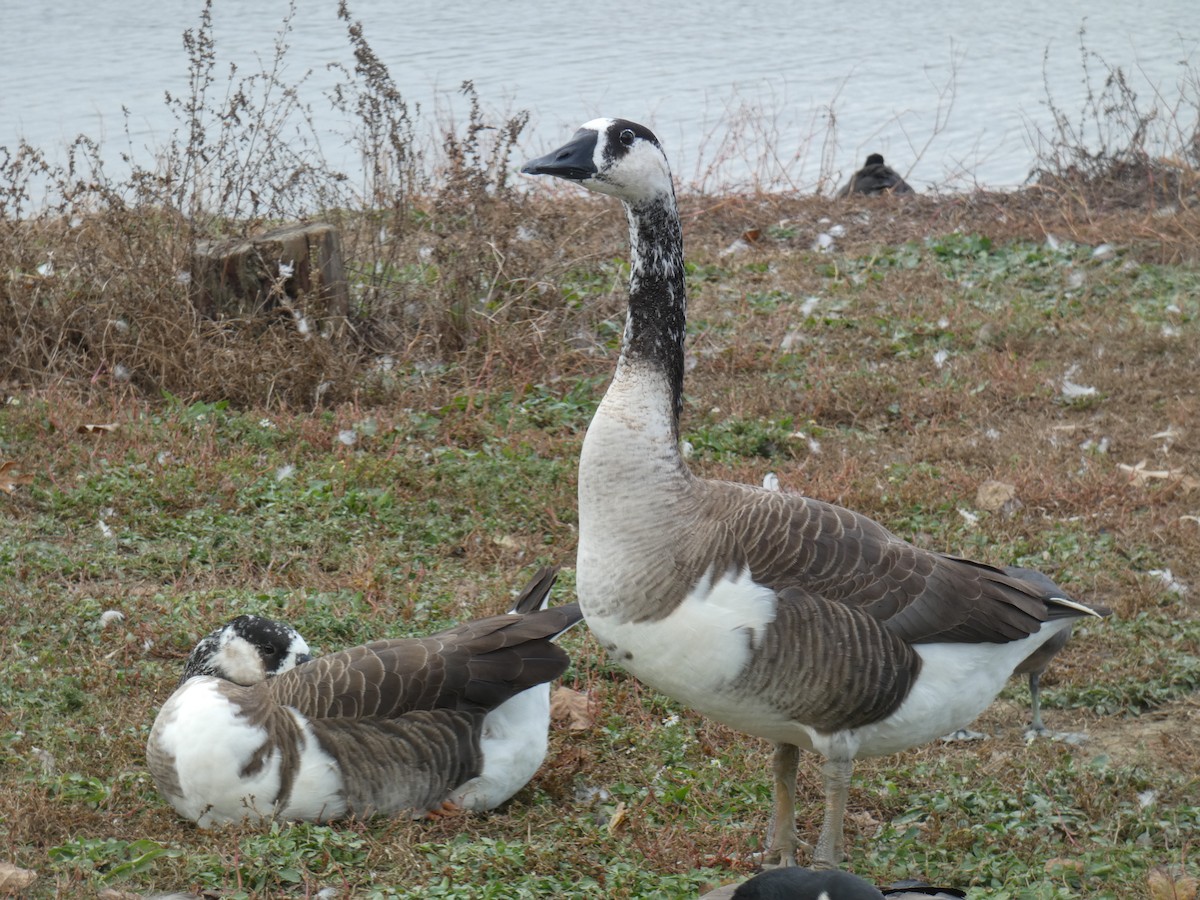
x=218, y=772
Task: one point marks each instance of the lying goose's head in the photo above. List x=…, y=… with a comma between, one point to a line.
x=247, y=650
x=611, y=156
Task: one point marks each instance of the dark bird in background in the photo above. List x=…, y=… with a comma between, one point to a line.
x=876, y=177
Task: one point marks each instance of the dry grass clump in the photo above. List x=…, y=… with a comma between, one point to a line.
x=1120, y=151
x=99, y=284
x=451, y=267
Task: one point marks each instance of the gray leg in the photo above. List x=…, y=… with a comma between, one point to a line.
x=1035, y=703
x=1037, y=729
x=829, y=852
x=782, y=840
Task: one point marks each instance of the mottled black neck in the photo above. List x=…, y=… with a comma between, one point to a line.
x=199, y=665
x=657, y=322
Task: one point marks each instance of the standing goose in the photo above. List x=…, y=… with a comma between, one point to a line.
x=780, y=616
x=875, y=177
x=256, y=730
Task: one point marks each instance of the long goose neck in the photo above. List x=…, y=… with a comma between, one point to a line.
x=657, y=320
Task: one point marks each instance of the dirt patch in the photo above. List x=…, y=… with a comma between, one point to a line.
x=1168, y=736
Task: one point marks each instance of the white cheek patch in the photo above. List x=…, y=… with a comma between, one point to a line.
x=641, y=170
x=296, y=649
x=239, y=662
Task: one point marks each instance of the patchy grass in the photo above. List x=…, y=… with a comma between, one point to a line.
x=893, y=375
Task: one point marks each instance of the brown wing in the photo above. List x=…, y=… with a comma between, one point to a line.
x=853, y=669
x=535, y=593
x=410, y=762
x=793, y=542
x=474, y=666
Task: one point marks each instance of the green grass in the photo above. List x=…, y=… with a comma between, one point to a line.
x=402, y=516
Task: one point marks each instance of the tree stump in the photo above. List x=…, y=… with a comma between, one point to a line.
x=297, y=267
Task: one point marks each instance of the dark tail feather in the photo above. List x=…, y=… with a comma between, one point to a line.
x=537, y=592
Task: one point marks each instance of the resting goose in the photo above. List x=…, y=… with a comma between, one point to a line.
x=258, y=731
x=780, y=616
x=875, y=177
x=807, y=884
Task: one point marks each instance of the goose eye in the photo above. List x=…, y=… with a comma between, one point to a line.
x=268, y=650
x=626, y=137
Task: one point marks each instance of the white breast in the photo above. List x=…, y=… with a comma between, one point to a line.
x=211, y=745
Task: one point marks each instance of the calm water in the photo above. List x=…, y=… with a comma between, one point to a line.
x=949, y=91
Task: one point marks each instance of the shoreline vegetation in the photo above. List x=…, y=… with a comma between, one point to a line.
x=1006, y=376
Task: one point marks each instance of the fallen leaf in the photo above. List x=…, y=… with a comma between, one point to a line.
x=1058, y=863
x=618, y=816
x=14, y=878
x=95, y=429
x=1165, y=884
x=997, y=496
x=11, y=477
x=1140, y=476
x=574, y=706
x=507, y=541
x=1169, y=435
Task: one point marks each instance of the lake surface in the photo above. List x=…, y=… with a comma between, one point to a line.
x=951, y=93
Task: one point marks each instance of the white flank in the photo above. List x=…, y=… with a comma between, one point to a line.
x=957, y=682
x=317, y=793
x=514, y=742
x=211, y=744
x=697, y=652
